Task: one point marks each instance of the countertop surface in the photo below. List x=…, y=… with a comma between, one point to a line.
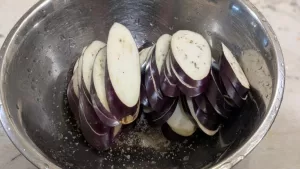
x=280, y=149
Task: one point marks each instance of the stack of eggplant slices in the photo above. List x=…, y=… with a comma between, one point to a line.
x=174, y=83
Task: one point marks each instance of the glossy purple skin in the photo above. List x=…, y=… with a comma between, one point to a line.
x=226, y=70
x=159, y=118
x=169, y=89
x=190, y=92
x=231, y=92
x=73, y=101
x=184, y=77
x=97, y=134
x=108, y=118
x=115, y=104
x=206, y=114
x=155, y=97
x=145, y=45
x=216, y=97
x=170, y=134
x=143, y=98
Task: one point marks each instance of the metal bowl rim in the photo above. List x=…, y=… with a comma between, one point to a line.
x=37, y=158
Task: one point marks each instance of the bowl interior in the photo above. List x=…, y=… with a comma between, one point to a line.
x=36, y=74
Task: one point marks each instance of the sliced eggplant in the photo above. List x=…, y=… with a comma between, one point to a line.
x=143, y=98
x=88, y=59
x=73, y=96
x=75, y=66
x=157, y=100
x=181, y=123
x=98, y=93
x=162, y=50
x=191, y=57
x=185, y=88
x=204, y=114
x=145, y=58
x=231, y=68
x=95, y=132
x=216, y=97
x=167, y=87
x=123, y=78
x=79, y=68
x=159, y=118
x=231, y=92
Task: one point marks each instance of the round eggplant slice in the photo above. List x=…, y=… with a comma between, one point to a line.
x=187, y=89
x=95, y=132
x=166, y=86
x=88, y=59
x=191, y=57
x=98, y=93
x=159, y=118
x=231, y=92
x=205, y=116
x=216, y=97
x=123, y=78
x=181, y=123
x=231, y=68
x=73, y=96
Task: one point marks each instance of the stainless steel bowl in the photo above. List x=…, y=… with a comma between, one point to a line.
x=38, y=53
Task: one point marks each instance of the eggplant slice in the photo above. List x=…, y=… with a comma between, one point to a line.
x=185, y=88
x=98, y=93
x=191, y=57
x=204, y=114
x=215, y=95
x=157, y=100
x=88, y=59
x=231, y=68
x=159, y=118
x=73, y=97
x=181, y=123
x=95, y=132
x=123, y=73
x=167, y=86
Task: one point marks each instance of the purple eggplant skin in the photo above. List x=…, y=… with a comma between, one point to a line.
x=73, y=101
x=170, y=134
x=143, y=97
x=167, y=87
x=156, y=99
x=231, y=92
x=226, y=70
x=145, y=45
x=108, y=118
x=206, y=114
x=188, y=90
x=114, y=103
x=184, y=77
x=97, y=134
x=216, y=97
x=159, y=118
